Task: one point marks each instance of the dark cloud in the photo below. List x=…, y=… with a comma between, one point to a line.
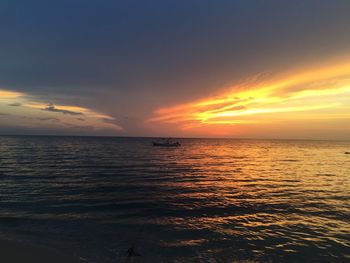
x=16, y=104
x=110, y=121
x=52, y=108
x=48, y=119
x=4, y=114
x=26, y=117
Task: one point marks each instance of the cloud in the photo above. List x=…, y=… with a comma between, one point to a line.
x=313, y=89
x=27, y=110
x=52, y=108
x=48, y=119
x=7, y=94
x=108, y=120
x=15, y=104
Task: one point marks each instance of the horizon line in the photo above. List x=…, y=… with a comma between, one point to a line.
x=174, y=137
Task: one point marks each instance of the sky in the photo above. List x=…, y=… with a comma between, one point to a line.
x=181, y=68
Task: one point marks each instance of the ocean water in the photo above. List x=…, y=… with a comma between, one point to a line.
x=210, y=200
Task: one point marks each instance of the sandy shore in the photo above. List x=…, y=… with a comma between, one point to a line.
x=16, y=252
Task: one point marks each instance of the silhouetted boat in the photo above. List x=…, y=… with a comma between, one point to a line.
x=166, y=143
x=173, y=144
x=347, y=153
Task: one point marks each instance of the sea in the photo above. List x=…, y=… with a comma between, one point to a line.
x=110, y=199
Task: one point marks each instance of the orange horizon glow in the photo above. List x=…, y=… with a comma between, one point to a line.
x=308, y=94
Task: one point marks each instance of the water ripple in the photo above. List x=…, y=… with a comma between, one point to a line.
x=207, y=201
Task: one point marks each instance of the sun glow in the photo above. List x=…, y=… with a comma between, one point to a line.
x=318, y=91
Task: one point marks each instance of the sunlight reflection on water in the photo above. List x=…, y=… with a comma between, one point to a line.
x=207, y=201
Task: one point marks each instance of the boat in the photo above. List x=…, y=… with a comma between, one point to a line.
x=172, y=144
x=166, y=143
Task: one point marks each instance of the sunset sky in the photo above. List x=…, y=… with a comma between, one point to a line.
x=245, y=69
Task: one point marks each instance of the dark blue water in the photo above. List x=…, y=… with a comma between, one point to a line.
x=207, y=201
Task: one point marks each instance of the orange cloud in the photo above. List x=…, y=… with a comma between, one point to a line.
x=25, y=111
x=311, y=90
x=6, y=94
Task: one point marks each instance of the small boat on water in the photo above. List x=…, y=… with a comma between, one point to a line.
x=166, y=143
x=347, y=153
